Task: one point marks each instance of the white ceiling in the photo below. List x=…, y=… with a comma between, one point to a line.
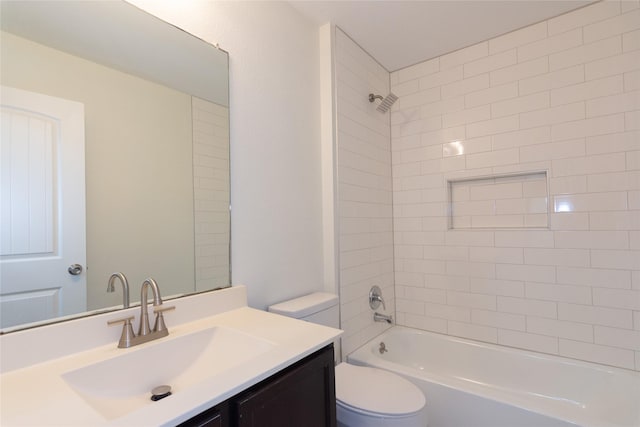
x=402, y=33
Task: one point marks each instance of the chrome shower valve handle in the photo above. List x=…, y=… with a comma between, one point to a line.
x=375, y=298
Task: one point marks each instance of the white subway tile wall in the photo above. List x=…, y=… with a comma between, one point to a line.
x=561, y=96
x=365, y=183
x=211, y=193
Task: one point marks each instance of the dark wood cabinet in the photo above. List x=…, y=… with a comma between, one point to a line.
x=218, y=416
x=302, y=394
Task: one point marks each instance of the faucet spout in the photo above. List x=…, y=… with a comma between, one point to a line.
x=125, y=287
x=144, y=328
x=382, y=318
x=149, y=282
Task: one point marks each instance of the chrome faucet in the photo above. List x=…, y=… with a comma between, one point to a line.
x=382, y=318
x=125, y=287
x=375, y=298
x=145, y=334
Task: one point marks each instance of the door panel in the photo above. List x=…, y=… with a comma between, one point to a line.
x=42, y=207
x=27, y=187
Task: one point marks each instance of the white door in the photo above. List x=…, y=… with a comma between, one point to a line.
x=42, y=208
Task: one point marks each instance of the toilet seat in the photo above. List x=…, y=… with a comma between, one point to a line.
x=376, y=392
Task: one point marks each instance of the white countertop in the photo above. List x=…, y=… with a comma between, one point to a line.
x=38, y=395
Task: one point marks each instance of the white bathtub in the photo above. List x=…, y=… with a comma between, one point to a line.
x=473, y=384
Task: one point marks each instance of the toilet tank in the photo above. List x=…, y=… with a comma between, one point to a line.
x=319, y=307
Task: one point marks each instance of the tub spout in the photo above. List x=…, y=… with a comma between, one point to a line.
x=382, y=318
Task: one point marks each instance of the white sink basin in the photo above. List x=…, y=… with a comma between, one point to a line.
x=122, y=384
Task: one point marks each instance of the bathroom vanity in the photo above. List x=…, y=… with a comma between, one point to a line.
x=300, y=395
x=227, y=365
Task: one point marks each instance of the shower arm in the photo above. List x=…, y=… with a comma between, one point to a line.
x=373, y=97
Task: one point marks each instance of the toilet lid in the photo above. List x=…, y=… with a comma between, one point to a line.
x=377, y=391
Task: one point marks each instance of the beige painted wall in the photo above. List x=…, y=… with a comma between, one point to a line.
x=138, y=167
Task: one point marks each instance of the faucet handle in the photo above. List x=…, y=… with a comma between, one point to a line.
x=124, y=320
x=159, y=309
x=375, y=298
x=127, y=331
x=159, y=325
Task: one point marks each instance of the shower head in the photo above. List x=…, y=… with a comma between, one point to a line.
x=386, y=103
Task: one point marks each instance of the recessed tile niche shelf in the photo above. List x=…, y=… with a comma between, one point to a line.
x=518, y=200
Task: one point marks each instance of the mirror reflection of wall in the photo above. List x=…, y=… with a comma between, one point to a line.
x=139, y=187
x=211, y=194
x=157, y=172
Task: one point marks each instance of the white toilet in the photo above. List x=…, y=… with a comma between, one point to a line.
x=365, y=397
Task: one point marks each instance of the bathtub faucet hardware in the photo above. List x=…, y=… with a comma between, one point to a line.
x=382, y=318
x=375, y=298
x=383, y=348
x=128, y=338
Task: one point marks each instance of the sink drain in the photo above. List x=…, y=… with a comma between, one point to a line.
x=160, y=392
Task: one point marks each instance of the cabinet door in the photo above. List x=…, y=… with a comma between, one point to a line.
x=304, y=395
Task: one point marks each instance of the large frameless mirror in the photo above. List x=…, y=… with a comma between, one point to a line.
x=115, y=158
